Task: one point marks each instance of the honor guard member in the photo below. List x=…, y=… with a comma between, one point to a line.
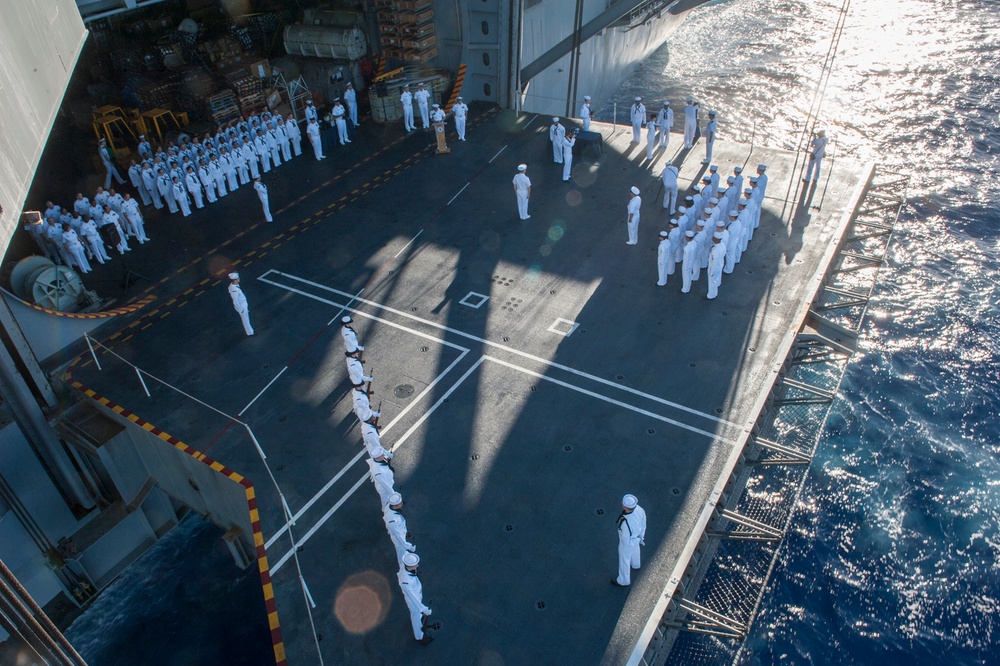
x=152, y=185
x=381, y=475
x=817, y=150
x=180, y=196
x=371, y=439
x=145, y=150
x=631, y=535
x=338, y=119
x=461, y=111
x=261, y=189
x=108, y=160
x=312, y=129
x=716, y=262
x=351, y=99
x=689, y=261
x=669, y=178
x=650, y=136
x=568, y=142
x=406, y=100
x=413, y=592
x=585, y=113
x=395, y=524
x=690, y=122
x=421, y=96
x=294, y=134
x=194, y=187
x=311, y=112
x=675, y=247
x=735, y=230
x=362, y=407
x=135, y=176
x=522, y=189
x=556, y=135
x=662, y=252
x=634, y=204
x=356, y=372
x=710, y=130
x=240, y=302
x=207, y=181
x=637, y=114
x=665, y=121
x=350, y=336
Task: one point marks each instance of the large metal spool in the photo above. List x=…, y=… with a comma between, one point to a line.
x=39, y=281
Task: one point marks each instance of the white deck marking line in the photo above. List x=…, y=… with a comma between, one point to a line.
x=658, y=417
x=498, y=154
x=262, y=390
x=482, y=298
x=559, y=320
x=490, y=343
x=406, y=435
x=459, y=192
x=401, y=250
x=354, y=461
x=337, y=316
x=530, y=121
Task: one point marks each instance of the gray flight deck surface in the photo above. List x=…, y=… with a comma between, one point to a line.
x=514, y=441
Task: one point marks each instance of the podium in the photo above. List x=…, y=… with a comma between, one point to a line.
x=592, y=142
x=442, y=145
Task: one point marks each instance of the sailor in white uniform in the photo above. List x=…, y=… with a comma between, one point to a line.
x=135, y=175
x=312, y=129
x=338, y=119
x=461, y=111
x=421, y=96
x=437, y=114
x=413, y=592
x=240, y=302
x=133, y=217
x=74, y=248
x=362, y=406
x=662, y=256
x=634, y=206
x=194, y=187
x=585, y=113
x=738, y=181
x=356, y=371
x=735, y=231
x=650, y=136
x=817, y=150
x=107, y=159
x=88, y=232
x=689, y=263
x=762, y=180
x=568, y=142
x=690, y=122
x=351, y=100
x=675, y=247
x=350, y=337
x=637, y=114
x=665, y=121
x=710, y=131
x=180, y=196
x=381, y=475
x=669, y=178
x=631, y=535
x=261, y=189
x=716, y=262
x=522, y=189
x=294, y=134
x=149, y=181
x=395, y=524
x=406, y=100
x=310, y=111
x=556, y=135
x=82, y=204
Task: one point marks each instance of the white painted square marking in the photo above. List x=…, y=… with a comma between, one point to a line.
x=473, y=296
x=563, y=327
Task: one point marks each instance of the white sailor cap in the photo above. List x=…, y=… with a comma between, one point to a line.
x=395, y=498
x=586, y=98
x=717, y=235
x=711, y=113
x=634, y=190
x=411, y=560
x=666, y=104
x=435, y=106
x=761, y=167
x=731, y=180
x=142, y=136
x=420, y=85
x=349, y=83
x=689, y=100
x=714, y=200
x=555, y=119
x=722, y=192
x=234, y=276
x=638, y=99
x=734, y=213
x=696, y=188
x=346, y=319
x=459, y=97
x=675, y=222
x=707, y=211
x=689, y=233
x=664, y=234
x=753, y=179
x=406, y=85
x=737, y=169
x=522, y=167
x=378, y=452
x=309, y=101
x=713, y=168
x=706, y=179
x=103, y=141
x=630, y=502
x=683, y=208
x=747, y=190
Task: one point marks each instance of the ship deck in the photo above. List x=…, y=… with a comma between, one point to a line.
x=529, y=374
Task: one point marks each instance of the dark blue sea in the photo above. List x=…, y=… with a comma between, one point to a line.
x=892, y=556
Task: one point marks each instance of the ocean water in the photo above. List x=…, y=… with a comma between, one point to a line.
x=892, y=557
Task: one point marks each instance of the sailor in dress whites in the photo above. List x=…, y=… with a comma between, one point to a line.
x=395, y=524
x=690, y=122
x=568, y=142
x=310, y=111
x=194, y=187
x=690, y=265
x=351, y=100
x=437, y=114
x=637, y=115
x=294, y=134
x=381, y=475
x=406, y=100
x=716, y=262
x=675, y=246
x=631, y=535
x=240, y=302
x=710, y=131
x=762, y=180
x=133, y=217
x=227, y=163
x=350, y=336
x=370, y=438
x=817, y=150
x=735, y=230
x=149, y=181
x=135, y=175
x=634, y=205
x=421, y=96
x=556, y=135
x=662, y=256
x=461, y=111
x=82, y=204
x=522, y=189
x=207, y=181
x=89, y=233
x=74, y=248
x=180, y=196
x=312, y=129
x=338, y=114
x=650, y=136
x=218, y=175
x=145, y=150
x=261, y=190
x=362, y=406
x=669, y=178
x=665, y=121
x=413, y=592
x=356, y=371
x=585, y=113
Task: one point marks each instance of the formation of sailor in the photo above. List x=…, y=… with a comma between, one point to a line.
x=817, y=150
x=383, y=479
x=586, y=113
x=556, y=135
x=240, y=302
x=522, y=190
x=637, y=114
x=631, y=524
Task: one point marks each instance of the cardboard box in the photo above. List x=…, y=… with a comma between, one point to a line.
x=274, y=99
x=261, y=69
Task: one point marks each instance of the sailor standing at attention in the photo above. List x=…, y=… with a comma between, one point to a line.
x=690, y=264
x=585, y=113
x=413, y=592
x=422, y=95
x=675, y=247
x=762, y=180
x=817, y=150
x=338, y=114
x=240, y=302
x=556, y=135
x=690, y=122
x=310, y=111
x=568, y=144
x=395, y=524
x=294, y=133
x=461, y=111
x=312, y=129
x=650, y=136
x=669, y=178
x=665, y=121
x=710, y=131
x=350, y=336
x=634, y=204
x=637, y=115
x=406, y=100
x=351, y=99
x=135, y=175
x=522, y=188
x=716, y=262
x=261, y=189
x=662, y=252
x=631, y=534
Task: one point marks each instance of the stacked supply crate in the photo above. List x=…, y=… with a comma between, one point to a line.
x=406, y=29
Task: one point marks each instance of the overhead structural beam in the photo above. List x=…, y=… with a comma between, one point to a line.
x=600, y=22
